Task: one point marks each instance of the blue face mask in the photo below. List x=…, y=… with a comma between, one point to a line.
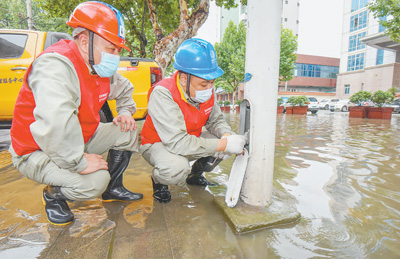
x=108, y=65
x=203, y=96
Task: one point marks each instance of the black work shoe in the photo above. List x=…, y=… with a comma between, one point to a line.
x=118, y=161
x=200, y=180
x=56, y=206
x=161, y=192
x=120, y=193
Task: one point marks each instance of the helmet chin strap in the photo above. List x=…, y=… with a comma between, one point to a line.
x=91, y=58
x=188, y=86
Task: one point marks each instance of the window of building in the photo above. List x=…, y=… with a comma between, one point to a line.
x=355, y=62
x=379, y=56
x=320, y=71
x=381, y=27
x=243, y=9
x=285, y=19
x=286, y=2
x=358, y=21
x=355, y=43
x=358, y=4
x=346, y=89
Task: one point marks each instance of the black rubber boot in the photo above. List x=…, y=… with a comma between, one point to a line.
x=204, y=164
x=56, y=206
x=117, y=163
x=161, y=192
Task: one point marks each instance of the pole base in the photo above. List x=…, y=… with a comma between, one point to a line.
x=245, y=218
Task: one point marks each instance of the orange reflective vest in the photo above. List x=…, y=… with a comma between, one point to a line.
x=195, y=118
x=94, y=92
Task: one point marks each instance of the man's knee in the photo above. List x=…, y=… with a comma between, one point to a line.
x=175, y=173
x=91, y=187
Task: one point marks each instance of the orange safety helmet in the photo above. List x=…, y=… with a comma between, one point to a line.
x=101, y=18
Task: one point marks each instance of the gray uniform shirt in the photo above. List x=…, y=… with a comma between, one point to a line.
x=169, y=122
x=55, y=87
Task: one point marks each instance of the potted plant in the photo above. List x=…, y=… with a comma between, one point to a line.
x=380, y=98
x=237, y=108
x=298, y=105
x=280, y=106
x=221, y=105
x=359, y=99
x=227, y=108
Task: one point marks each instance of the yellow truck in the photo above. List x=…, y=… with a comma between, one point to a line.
x=18, y=48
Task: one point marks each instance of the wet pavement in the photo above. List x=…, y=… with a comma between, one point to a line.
x=340, y=173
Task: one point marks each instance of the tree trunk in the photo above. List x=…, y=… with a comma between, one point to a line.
x=165, y=47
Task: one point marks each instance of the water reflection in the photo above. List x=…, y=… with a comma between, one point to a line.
x=340, y=173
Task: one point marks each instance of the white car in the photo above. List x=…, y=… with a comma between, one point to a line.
x=325, y=103
x=313, y=105
x=342, y=105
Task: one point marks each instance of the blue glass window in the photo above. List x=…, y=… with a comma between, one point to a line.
x=381, y=27
x=358, y=21
x=319, y=71
x=355, y=43
x=355, y=62
x=346, y=89
x=358, y=4
x=379, y=56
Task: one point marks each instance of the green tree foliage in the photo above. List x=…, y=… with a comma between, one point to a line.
x=13, y=15
x=391, y=10
x=288, y=56
x=140, y=36
x=231, y=54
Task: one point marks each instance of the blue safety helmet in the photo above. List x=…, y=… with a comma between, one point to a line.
x=197, y=57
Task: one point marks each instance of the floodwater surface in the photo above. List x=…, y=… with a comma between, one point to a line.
x=340, y=173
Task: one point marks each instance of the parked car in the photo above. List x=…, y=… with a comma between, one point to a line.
x=313, y=105
x=325, y=103
x=395, y=104
x=342, y=105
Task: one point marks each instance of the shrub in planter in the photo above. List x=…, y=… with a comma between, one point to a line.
x=238, y=102
x=298, y=105
x=227, y=108
x=380, y=98
x=280, y=107
x=359, y=99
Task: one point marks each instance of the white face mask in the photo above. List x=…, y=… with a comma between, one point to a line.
x=203, y=96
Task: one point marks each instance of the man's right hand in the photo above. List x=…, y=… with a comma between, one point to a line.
x=95, y=163
x=235, y=144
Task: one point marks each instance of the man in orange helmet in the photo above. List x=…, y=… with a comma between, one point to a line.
x=56, y=136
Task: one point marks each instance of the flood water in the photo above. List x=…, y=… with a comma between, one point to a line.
x=341, y=174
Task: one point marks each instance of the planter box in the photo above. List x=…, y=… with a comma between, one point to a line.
x=222, y=108
x=237, y=109
x=227, y=108
x=289, y=110
x=384, y=113
x=279, y=109
x=299, y=109
x=357, y=111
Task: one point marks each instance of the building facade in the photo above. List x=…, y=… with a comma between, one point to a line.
x=313, y=74
x=369, y=60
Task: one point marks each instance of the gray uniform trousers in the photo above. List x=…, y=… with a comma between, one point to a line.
x=169, y=168
x=39, y=167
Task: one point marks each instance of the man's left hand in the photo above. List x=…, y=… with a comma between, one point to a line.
x=127, y=122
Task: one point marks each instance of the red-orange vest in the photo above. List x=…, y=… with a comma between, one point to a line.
x=94, y=92
x=195, y=118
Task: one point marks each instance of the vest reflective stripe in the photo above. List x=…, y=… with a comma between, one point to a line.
x=94, y=92
x=195, y=118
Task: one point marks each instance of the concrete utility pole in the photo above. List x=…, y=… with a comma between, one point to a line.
x=29, y=14
x=262, y=62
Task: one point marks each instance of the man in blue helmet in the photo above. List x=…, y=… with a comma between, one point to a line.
x=178, y=109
